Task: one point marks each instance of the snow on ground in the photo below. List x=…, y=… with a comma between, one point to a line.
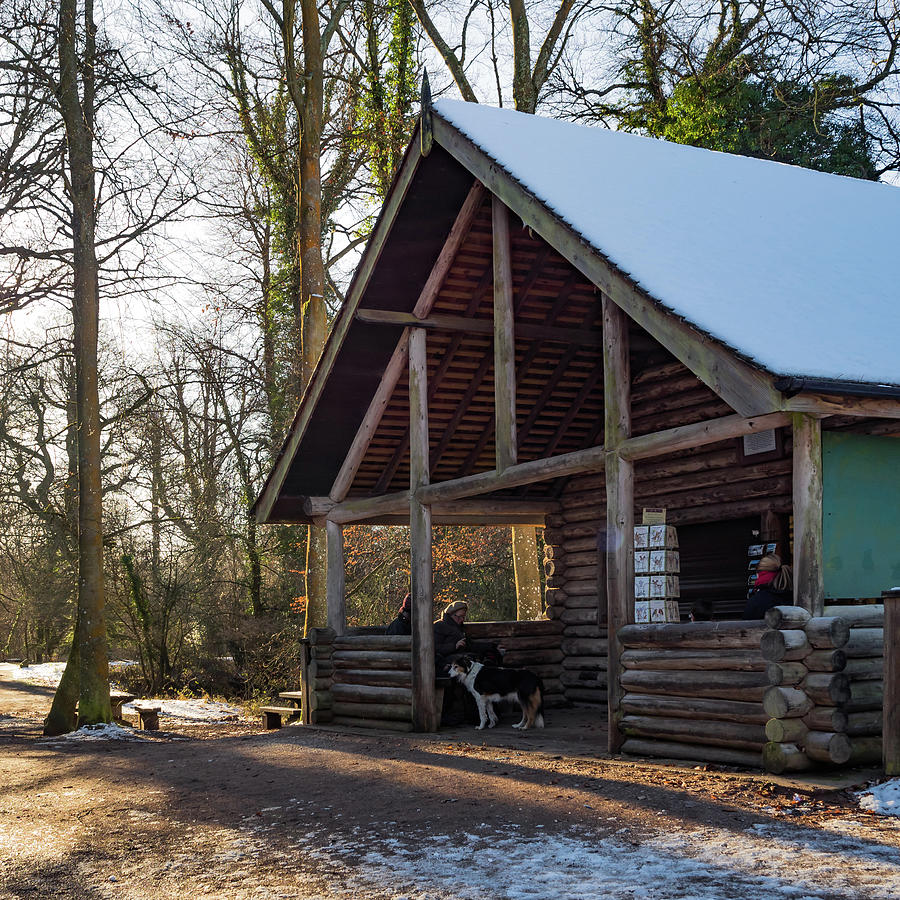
x=190, y=710
x=706, y=863
x=108, y=732
x=45, y=674
x=883, y=799
x=198, y=710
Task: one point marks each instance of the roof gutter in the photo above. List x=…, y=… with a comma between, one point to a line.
x=791, y=386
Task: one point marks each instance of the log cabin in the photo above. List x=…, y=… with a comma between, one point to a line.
x=560, y=325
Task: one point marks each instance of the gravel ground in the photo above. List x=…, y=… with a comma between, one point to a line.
x=225, y=809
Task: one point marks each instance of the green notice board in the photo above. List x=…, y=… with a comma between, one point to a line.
x=861, y=507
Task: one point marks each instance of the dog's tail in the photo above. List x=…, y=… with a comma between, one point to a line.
x=531, y=699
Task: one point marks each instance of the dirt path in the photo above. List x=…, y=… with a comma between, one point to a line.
x=231, y=811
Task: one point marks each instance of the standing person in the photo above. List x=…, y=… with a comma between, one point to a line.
x=774, y=587
x=403, y=623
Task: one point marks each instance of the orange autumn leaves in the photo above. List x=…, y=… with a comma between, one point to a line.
x=469, y=563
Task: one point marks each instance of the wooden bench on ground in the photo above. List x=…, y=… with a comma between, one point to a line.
x=272, y=715
x=148, y=715
x=117, y=699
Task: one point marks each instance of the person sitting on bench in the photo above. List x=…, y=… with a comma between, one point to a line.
x=403, y=623
x=450, y=643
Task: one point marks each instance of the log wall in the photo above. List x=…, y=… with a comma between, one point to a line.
x=707, y=484
x=530, y=644
x=695, y=691
x=371, y=683
x=828, y=708
x=787, y=693
x=316, y=676
x=363, y=678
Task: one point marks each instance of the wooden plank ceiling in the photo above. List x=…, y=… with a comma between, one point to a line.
x=559, y=369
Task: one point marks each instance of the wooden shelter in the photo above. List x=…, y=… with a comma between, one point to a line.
x=495, y=364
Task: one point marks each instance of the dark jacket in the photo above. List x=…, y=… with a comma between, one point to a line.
x=447, y=634
x=401, y=625
x=764, y=598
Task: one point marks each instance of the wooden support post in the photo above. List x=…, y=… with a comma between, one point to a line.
x=504, y=341
x=891, y=705
x=334, y=584
x=619, y=502
x=809, y=586
x=425, y=714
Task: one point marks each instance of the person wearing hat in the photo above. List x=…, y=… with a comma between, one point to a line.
x=450, y=639
x=449, y=633
x=403, y=623
x=774, y=587
x=450, y=642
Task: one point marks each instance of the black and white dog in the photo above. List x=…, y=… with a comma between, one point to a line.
x=491, y=684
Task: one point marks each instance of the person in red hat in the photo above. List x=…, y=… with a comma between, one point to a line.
x=403, y=623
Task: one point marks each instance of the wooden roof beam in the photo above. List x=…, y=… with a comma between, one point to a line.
x=471, y=326
x=458, y=233
x=371, y=420
x=746, y=389
x=593, y=459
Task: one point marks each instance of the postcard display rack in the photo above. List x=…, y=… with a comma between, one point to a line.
x=656, y=568
x=755, y=553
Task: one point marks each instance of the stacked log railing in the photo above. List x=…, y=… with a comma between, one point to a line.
x=317, y=670
x=530, y=644
x=372, y=681
x=694, y=691
x=573, y=591
x=827, y=707
x=363, y=678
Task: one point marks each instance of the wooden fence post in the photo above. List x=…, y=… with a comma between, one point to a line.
x=891, y=705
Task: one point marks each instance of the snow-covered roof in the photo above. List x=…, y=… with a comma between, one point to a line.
x=795, y=269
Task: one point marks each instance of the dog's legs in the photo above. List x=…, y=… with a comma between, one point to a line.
x=523, y=704
x=491, y=714
x=482, y=712
x=529, y=710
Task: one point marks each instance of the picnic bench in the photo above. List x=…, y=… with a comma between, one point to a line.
x=149, y=716
x=117, y=699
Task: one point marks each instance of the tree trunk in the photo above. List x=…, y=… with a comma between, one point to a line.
x=61, y=717
x=312, y=270
x=527, y=574
x=78, y=115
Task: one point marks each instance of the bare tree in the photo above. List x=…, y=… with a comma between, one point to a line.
x=503, y=31
x=814, y=84
x=85, y=102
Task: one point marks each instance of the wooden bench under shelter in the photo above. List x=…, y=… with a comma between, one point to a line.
x=527, y=348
